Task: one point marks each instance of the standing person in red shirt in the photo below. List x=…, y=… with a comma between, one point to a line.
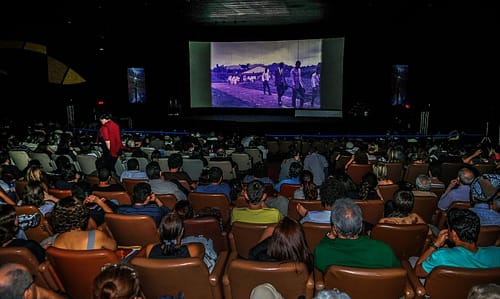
x=110, y=136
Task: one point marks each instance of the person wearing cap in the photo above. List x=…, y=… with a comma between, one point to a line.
x=484, y=189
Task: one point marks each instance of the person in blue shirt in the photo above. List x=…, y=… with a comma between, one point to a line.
x=456, y=246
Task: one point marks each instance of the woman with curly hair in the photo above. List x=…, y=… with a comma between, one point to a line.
x=69, y=222
x=308, y=189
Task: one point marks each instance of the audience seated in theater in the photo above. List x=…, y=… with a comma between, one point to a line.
x=368, y=189
x=133, y=171
x=145, y=202
x=434, y=174
x=346, y=247
x=9, y=228
x=16, y=282
x=98, y=206
x=399, y=209
x=380, y=170
x=358, y=157
x=308, y=189
x=221, y=155
x=65, y=174
x=161, y=186
x=117, y=281
x=456, y=246
x=257, y=210
x=105, y=184
x=216, y=183
x=457, y=190
x=69, y=222
x=35, y=195
x=175, y=173
x=258, y=173
x=171, y=232
x=331, y=190
x=293, y=156
x=8, y=169
x=423, y=186
x=294, y=173
x=284, y=242
x=483, y=190
x=316, y=163
x=65, y=146
x=34, y=172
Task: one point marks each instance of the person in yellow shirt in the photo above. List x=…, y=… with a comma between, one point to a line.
x=257, y=211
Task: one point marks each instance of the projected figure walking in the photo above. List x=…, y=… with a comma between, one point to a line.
x=297, y=85
x=279, y=79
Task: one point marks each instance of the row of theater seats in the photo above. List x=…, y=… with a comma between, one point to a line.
x=72, y=271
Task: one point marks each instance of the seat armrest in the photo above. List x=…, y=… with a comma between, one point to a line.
x=50, y=277
x=319, y=282
x=418, y=288
x=216, y=275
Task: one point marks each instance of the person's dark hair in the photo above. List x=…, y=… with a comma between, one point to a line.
x=184, y=209
x=435, y=168
x=116, y=281
x=236, y=188
x=81, y=190
x=69, y=213
x=16, y=281
x=105, y=116
x=7, y=223
x=104, y=174
x=295, y=170
x=155, y=155
x=347, y=217
x=171, y=228
x=100, y=163
x=132, y=164
x=214, y=174
x=175, y=160
x=141, y=192
x=288, y=243
x=255, y=191
x=308, y=186
x=153, y=170
x=465, y=223
x=369, y=183
x=402, y=203
x=331, y=190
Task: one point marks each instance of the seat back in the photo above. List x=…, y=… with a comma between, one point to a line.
x=291, y=279
x=488, y=235
x=208, y=227
x=362, y=283
x=449, y=171
x=39, y=232
x=220, y=201
x=76, y=269
x=168, y=199
x=243, y=236
x=22, y=255
x=163, y=164
x=395, y=171
x=243, y=160
x=415, y=169
x=121, y=196
x=132, y=230
x=425, y=207
x=310, y=205
x=87, y=163
x=193, y=167
x=287, y=190
x=373, y=210
x=387, y=191
x=406, y=240
x=485, y=168
x=228, y=172
x=357, y=171
x=314, y=232
x=171, y=276
x=256, y=155
x=448, y=282
x=129, y=185
x=19, y=158
x=48, y=165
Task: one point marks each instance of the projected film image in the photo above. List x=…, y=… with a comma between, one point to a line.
x=266, y=74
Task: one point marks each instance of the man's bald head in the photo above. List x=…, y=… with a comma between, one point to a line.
x=15, y=279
